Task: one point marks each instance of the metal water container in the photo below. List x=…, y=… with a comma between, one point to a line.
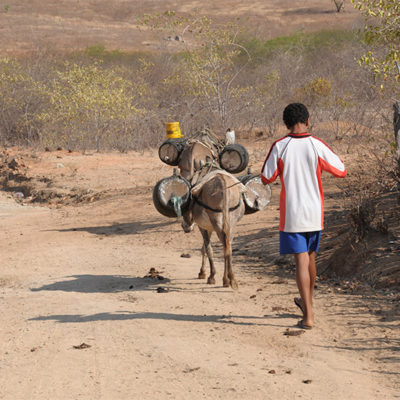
x=170, y=150
x=171, y=195
x=257, y=196
x=234, y=158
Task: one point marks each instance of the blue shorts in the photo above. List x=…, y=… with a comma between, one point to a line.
x=292, y=243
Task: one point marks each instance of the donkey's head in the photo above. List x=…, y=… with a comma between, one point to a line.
x=187, y=223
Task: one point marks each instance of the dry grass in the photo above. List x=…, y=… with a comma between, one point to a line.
x=65, y=25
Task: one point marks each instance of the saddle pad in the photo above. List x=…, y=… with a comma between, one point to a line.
x=230, y=182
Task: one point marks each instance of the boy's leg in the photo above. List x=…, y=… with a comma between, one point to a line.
x=312, y=267
x=304, y=279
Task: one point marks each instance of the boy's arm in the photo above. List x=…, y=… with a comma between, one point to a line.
x=270, y=168
x=329, y=161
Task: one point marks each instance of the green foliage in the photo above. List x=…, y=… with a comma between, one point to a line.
x=333, y=38
x=110, y=58
x=298, y=42
x=316, y=92
x=19, y=101
x=344, y=101
x=99, y=52
x=88, y=105
x=96, y=51
x=382, y=35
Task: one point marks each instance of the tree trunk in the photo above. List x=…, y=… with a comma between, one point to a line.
x=396, y=127
x=339, y=5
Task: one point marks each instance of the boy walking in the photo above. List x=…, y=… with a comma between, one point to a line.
x=299, y=160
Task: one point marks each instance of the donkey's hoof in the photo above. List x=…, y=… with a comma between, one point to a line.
x=211, y=281
x=225, y=283
x=234, y=284
x=202, y=275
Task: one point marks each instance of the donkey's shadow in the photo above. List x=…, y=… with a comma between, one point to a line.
x=102, y=284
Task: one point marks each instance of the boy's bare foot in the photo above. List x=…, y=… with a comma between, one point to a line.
x=301, y=324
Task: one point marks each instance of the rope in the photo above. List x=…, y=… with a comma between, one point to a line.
x=237, y=183
x=177, y=203
x=234, y=184
x=215, y=143
x=204, y=170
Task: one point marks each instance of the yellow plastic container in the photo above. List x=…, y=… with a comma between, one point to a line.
x=173, y=130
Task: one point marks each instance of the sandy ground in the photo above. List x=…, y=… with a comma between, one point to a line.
x=73, y=276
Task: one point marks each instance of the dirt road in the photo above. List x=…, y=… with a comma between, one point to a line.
x=79, y=319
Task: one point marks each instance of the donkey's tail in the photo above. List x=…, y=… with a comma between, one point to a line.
x=225, y=211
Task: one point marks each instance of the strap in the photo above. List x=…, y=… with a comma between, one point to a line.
x=200, y=203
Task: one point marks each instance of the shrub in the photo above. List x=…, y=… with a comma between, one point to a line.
x=89, y=107
x=316, y=92
x=106, y=99
x=297, y=43
x=20, y=101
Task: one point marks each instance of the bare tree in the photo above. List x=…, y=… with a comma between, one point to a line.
x=396, y=127
x=339, y=5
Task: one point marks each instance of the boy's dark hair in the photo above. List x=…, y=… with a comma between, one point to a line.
x=294, y=113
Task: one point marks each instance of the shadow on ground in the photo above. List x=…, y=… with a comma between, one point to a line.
x=102, y=284
x=129, y=315
x=128, y=228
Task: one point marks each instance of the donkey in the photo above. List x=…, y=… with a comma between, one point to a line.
x=216, y=206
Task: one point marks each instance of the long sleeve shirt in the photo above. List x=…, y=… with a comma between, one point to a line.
x=299, y=159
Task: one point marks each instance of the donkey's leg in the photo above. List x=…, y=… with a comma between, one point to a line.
x=225, y=236
x=228, y=278
x=228, y=264
x=207, y=245
x=202, y=273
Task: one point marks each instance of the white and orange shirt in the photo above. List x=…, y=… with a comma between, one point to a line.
x=299, y=160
